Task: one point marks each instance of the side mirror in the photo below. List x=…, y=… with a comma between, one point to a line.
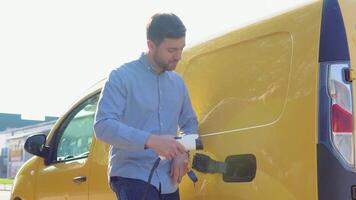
x=35, y=145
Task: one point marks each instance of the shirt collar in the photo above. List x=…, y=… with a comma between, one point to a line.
x=144, y=60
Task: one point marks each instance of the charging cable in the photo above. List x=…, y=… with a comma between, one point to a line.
x=154, y=167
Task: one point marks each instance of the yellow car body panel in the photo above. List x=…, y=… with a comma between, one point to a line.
x=278, y=59
x=56, y=181
x=98, y=183
x=25, y=180
x=255, y=91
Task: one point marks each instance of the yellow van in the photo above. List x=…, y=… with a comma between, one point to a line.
x=275, y=104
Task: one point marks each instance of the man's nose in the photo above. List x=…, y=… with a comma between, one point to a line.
x=178, y=55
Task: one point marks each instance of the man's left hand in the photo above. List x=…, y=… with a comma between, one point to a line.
x=179, y=167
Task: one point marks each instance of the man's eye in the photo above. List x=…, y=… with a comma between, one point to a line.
x=171, y=50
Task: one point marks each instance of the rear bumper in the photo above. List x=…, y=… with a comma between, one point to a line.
x=334, y=181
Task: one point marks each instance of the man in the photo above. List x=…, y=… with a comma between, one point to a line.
x=142, y=106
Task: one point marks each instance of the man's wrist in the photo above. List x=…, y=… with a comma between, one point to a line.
x=186, y=154
x=149, y=141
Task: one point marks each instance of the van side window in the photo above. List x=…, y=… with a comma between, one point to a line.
x=77, y=132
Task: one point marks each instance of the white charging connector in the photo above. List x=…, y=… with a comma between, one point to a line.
x=189, y=141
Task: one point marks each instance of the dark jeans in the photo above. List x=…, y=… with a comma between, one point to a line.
x=133, y=189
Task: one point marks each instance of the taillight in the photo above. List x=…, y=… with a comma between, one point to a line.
x=341, y=112
x=341, y=120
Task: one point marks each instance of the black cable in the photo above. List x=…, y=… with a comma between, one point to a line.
x=155, y=165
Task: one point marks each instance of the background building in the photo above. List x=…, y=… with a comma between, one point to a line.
x=8, y=120
x=17, y=155
x=12, y=140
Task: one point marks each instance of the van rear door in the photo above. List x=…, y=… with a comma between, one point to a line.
x=348, y=11
x=336, y=141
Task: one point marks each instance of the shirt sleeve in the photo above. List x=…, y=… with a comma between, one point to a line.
x=108, y=123
x=188, y=123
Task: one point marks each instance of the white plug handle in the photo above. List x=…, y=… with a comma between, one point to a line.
x=189, y=141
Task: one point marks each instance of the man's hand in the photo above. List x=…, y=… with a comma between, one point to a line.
x=165, y=145
x=179, y=167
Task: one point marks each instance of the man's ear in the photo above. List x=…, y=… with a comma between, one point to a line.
x=151, y=45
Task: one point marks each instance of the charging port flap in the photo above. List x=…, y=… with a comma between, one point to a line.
x=240, y=168
x=236, y=168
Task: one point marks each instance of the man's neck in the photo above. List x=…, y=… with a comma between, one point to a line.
x=149, y=56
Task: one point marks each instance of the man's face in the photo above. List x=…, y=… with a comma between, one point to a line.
x=167, y=54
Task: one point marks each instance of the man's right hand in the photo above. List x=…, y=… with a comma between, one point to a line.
x=165, y=145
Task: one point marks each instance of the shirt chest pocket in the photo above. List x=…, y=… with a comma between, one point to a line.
x=145, y=101
x=173, y=102
x=161, y=96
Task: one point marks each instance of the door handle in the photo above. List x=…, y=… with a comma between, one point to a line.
x=80, y=179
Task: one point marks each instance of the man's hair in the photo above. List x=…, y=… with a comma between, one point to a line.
x=165, y=25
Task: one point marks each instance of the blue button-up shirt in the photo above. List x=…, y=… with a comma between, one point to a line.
x=136, y=102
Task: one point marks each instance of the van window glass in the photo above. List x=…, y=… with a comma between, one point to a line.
x=77, y=136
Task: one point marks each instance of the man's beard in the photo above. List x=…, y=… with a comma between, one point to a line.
x=161, y=64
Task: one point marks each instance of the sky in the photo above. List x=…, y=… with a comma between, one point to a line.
x=52, y=51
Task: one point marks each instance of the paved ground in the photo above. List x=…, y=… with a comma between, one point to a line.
x=4, y=195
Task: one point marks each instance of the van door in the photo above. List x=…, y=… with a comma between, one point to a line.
x=348, y=9
x=253, y=90
x=349, y=17
x=99, y=187
x=65, y=172
x=336, y=145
